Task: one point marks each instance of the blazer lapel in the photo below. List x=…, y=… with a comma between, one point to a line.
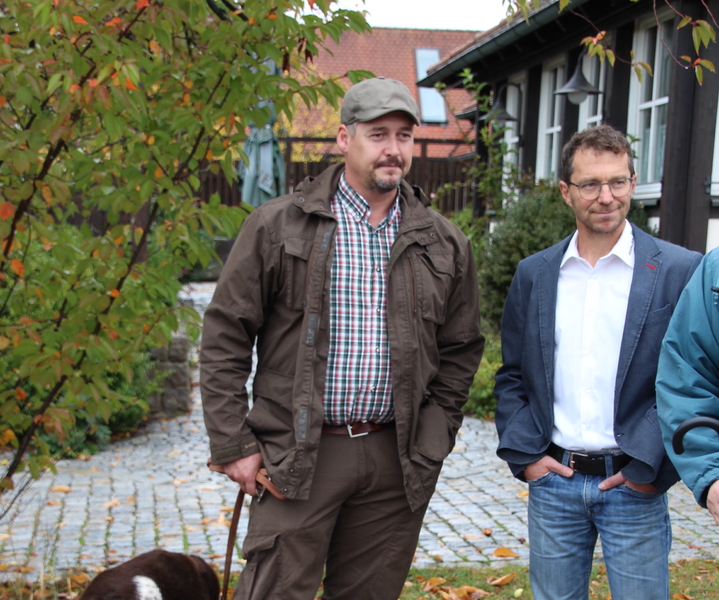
x=547, y=280
x=647, y=268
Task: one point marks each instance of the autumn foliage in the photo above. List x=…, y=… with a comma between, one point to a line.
x=109, y=110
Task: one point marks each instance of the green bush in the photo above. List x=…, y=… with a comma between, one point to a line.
x=537, y=219
x=533, y=222
x=481, y=401
x=91, y=433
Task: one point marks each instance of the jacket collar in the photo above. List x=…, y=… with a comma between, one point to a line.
x=314, y=193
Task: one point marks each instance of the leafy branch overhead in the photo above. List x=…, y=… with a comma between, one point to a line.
x=703, y=33
x=110, y=111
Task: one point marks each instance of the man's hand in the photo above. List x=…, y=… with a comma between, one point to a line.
x=618, y=479
x=543, y=466
x=713, y=501
x=243, y=471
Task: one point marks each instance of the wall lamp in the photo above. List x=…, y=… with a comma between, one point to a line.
x=499, y=112
x=578, y=88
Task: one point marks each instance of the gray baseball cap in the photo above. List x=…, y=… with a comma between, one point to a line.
x=374, y=98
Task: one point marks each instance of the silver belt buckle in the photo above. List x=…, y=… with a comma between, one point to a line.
x=571, y=458
x=353, y=435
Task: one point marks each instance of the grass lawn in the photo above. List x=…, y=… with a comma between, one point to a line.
x=690, y=580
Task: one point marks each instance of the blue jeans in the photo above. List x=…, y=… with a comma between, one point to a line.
x=565, y=517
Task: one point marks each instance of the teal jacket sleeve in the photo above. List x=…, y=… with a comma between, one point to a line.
x=688, y=377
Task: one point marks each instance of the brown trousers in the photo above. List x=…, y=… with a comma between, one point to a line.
x=356, y=523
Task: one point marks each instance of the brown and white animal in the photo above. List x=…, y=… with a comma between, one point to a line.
x=156, y=575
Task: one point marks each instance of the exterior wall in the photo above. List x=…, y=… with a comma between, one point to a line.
x=671, y=118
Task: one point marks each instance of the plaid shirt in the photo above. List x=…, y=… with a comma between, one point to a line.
x=358, y=385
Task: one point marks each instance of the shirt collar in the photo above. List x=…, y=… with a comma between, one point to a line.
x=623, y=249
x=359, y=206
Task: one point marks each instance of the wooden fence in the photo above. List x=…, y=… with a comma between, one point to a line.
x=433, y=168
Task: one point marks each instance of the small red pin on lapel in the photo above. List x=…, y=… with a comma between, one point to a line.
x=652, y=267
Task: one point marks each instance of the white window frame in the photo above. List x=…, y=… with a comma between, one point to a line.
x=714, y=189
x=429, y=96
x=595, y=71
x=648, y=192
x=515, y=102
x=550, y=125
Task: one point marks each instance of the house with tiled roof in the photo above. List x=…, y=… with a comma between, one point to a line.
x=669, y=115
x=405, y=55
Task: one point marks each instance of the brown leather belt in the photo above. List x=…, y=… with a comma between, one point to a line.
x=589, y=464
x=356, y=429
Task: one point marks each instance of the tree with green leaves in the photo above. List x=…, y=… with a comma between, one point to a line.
x=110, y=110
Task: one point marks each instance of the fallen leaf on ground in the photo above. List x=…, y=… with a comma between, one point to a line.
x=111, y=504
x=61, y=489
x=487, y=531
x=432, y=583
x=504, y=580
x=80, y=578
x=503, y=552
x=523, y=493
x=469, y=536
x=227, y=509
x=214, y=556
x=53, y=503
x=179, y=481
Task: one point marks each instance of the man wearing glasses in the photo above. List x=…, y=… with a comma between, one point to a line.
x=576, y=416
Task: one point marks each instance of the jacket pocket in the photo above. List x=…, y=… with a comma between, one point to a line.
x=431, y=440
x=261, y=571
x=271, y=423
x=433, y=281
x=659, y=316
x=297, y=254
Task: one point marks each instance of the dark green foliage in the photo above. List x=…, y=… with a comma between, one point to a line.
x=533, y=222
x=90, y=433
x=481, y=401
x=537, y=219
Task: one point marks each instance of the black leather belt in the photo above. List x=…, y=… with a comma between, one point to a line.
x=589, y=464
x=355, y=429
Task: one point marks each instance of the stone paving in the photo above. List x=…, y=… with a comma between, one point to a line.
x=154, y=490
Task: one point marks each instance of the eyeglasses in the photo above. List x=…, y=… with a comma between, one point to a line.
x=591, y=191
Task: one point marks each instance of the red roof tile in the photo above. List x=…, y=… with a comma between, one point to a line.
x=389, y=52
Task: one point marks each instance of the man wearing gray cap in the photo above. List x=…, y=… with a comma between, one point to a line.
x=364, y=306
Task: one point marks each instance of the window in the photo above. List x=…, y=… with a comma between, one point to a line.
x=714, y=185
x=551, y=107
x=431, y=102
x=514, y=95
x=650, y=103
x=590, y=111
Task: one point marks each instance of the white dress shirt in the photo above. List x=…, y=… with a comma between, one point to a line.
x=590, y=314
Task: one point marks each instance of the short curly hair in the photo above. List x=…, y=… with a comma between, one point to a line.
x=602, y=138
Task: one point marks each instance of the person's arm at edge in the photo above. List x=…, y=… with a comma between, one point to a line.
x=688, y=382
x=230, y=326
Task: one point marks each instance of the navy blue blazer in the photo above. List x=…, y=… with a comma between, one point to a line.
x=524, y=383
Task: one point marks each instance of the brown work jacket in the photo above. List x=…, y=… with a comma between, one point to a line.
x=275, y=289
